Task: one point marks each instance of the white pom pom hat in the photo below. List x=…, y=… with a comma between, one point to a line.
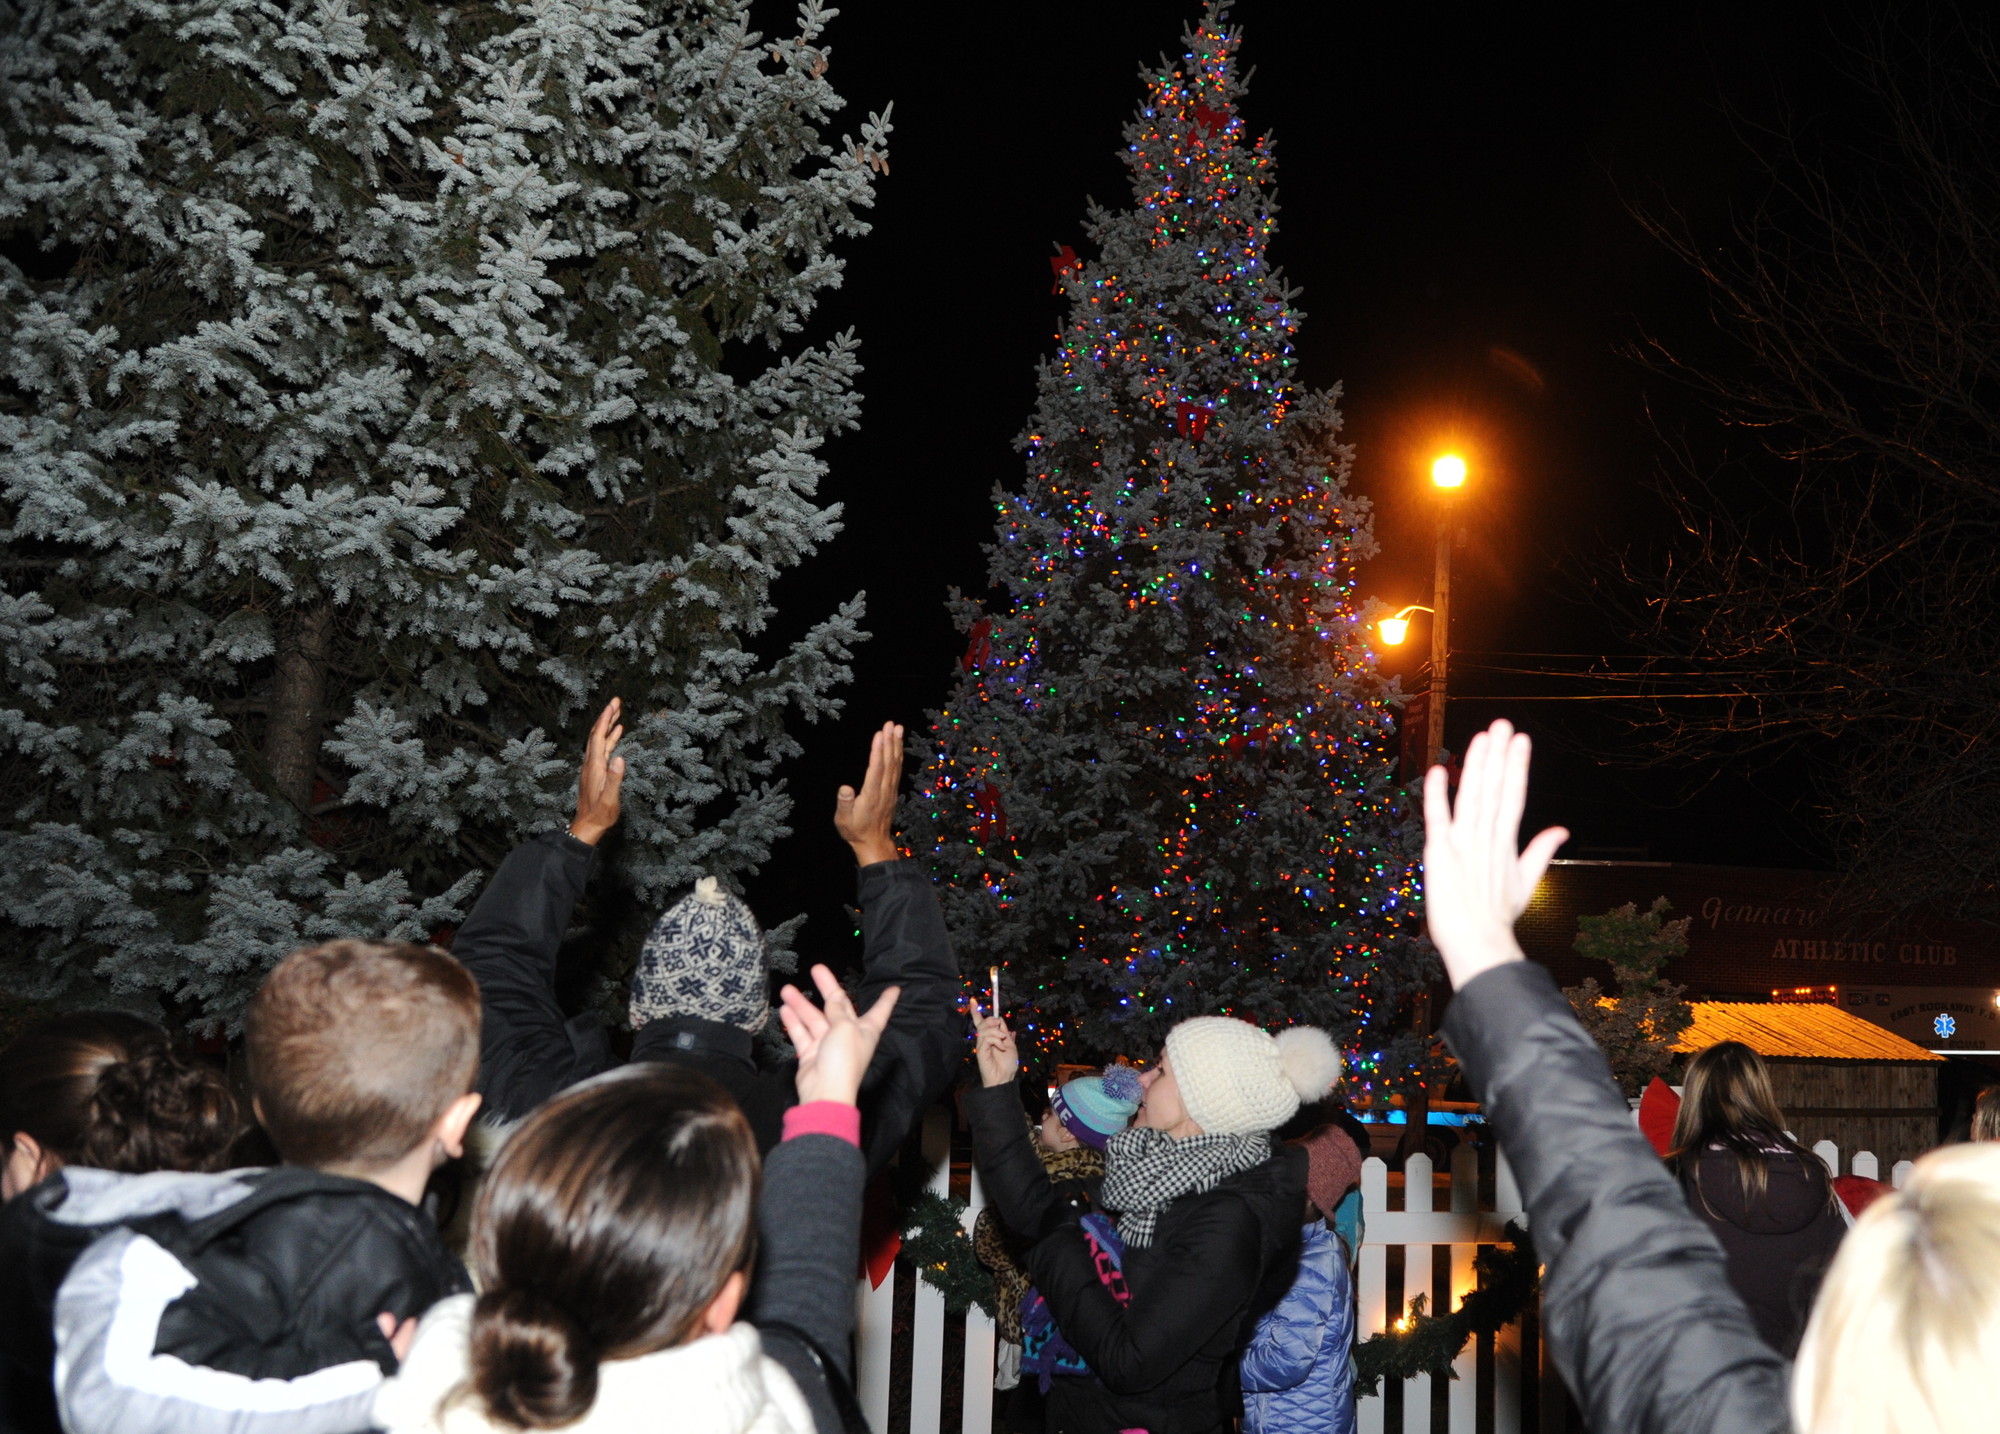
x=1238, y=1080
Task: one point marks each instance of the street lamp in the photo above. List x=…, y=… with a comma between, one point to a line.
x=1393, y=630
x=1447, y=476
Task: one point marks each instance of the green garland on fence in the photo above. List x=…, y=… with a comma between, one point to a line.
x=935, y=1239
x=937, y=1244
x=1428, y=1343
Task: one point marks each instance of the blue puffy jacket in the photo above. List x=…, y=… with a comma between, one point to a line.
x=1297, y=1375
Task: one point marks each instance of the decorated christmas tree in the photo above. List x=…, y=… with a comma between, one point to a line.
x=1164, y=783
x=387, y=386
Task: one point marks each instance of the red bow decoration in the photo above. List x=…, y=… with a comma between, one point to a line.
x=979, y=645
x=1065, y=260
x=1191, y=420
x=1210, y=120
x=989, y=823
x=1273, y=732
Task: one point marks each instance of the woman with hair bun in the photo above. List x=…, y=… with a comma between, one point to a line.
x=613, y=1244
x=103, y=1089
x=106, y=1089
x=1208, y=1219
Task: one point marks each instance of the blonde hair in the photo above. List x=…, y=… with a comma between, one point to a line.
x=1905, y=1335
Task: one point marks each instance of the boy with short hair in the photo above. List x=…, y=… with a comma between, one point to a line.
x=279, y=1299
x=362, y=1058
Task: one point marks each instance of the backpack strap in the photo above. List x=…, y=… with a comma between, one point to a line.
x=846, y=1407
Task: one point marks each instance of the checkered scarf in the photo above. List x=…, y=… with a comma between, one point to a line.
x=1147, y=1170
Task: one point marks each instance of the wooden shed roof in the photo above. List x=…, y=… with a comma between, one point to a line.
x=1804, y=1031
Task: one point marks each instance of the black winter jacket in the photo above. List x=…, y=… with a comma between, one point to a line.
x=1218, y=1261
x=1778, y=1247
x=245, y=1301
x=527, y=1053
x=1636, y=1302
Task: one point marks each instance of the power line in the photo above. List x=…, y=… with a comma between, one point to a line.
x=1631, y=696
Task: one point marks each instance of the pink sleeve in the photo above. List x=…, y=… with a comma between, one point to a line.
x=824, y=1117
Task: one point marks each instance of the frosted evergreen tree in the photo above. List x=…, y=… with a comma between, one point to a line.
x=1163, y=785
x=385, y=387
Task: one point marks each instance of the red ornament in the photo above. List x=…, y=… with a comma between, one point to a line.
x=979, y=645
x=989, y=821
x=1209, y=120
x=1191, y=419
x=1065, y=260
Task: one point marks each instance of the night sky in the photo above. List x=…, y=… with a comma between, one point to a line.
x=1455, y=189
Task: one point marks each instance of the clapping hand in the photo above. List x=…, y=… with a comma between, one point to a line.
x=834, y=1044
x=602, y=775
x=1476, y=880
x=866, y=820
x=999, y=1060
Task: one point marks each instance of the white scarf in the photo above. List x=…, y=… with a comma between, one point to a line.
x=719, y=1384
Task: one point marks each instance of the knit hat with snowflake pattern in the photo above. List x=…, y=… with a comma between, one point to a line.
x=1238, y=1080
x=706, y=958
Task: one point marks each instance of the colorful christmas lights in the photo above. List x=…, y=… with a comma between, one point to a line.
x=1164, y=784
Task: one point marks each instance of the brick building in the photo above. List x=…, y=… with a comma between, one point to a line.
x=1757, y=933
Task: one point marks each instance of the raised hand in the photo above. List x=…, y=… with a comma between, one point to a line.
x=994, y=1048
x=1476, y=879
x=866, y=820
x=603, y=774
x=834, y=1044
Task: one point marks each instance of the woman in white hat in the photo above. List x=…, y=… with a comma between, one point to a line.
x=1208, y=1220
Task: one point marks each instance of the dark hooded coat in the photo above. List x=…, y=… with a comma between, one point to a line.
x=1166, y=1361
x=1779, y=1244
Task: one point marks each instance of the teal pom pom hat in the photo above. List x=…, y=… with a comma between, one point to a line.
x=1095, y=1108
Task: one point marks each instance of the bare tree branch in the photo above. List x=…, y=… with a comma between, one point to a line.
x=1854, y=600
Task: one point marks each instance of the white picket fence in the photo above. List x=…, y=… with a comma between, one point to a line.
x=873, y=1339
x=1415, y=1223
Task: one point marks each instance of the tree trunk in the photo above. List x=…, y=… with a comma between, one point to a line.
x=298, y=704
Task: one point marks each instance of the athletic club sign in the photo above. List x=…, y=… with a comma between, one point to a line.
x=1752, y=931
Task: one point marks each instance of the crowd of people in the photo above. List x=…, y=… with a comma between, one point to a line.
x=670, y=1238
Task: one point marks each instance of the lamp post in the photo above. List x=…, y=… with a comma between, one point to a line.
x=1447, y=476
